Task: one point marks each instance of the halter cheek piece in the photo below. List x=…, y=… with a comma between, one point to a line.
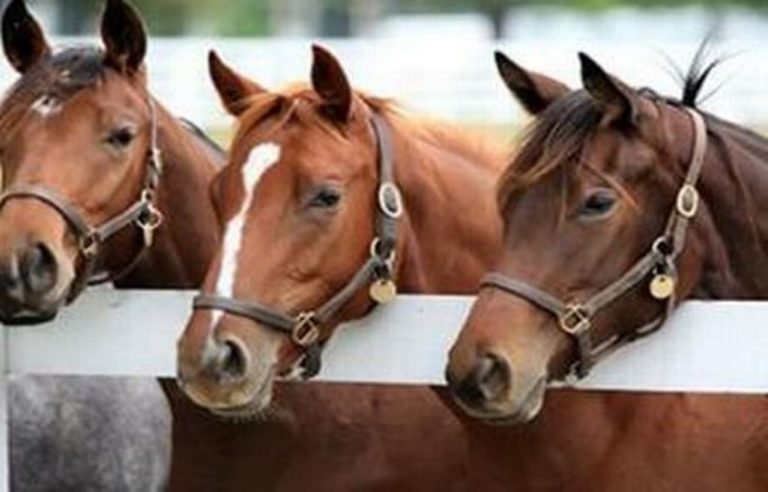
x=575, y=318
x=142, y=213
x=377, y=271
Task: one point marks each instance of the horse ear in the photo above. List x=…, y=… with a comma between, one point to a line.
x=619, y=102
x=124, y=36
x=234, y=89
x=330, y=82
x=534, y=91
x=23, y=39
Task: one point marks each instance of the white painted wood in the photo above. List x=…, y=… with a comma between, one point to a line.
x=5, y=476
x=708, y=347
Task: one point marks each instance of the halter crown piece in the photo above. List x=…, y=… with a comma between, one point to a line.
x=575, y=318
x=376, y=272
x=142, y=213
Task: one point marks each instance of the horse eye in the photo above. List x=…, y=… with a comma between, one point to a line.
x=598, y=204
x=120, y=137
x=325, y=198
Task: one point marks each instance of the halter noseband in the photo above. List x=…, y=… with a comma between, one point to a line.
x=575, y=318
x=143, y=213
x=377, y=271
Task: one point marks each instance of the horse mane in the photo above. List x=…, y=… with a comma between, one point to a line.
x=300, y=103
x=57, y=78
x=558, y=135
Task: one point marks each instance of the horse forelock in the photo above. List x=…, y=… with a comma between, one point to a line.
x=555, y=138
x=51, y=83
x=300, y=104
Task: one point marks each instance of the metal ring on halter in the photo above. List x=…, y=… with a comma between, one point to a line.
x=305, y=332
x=89, y=245
x=152, y=217
x=390, y=200
x=374, y=249
x=687, y=201
x=574, y=320
x=662, y=247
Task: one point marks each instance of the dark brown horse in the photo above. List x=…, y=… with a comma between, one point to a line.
x=602, y=183
x=77, y=132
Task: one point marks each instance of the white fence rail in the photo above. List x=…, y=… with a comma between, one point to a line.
x=706, y=346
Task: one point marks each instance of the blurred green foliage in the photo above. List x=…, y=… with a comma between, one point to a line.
x=251, y=17
x=422, y=6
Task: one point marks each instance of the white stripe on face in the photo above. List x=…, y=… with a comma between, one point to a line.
x=46, y=106
x=261, y=158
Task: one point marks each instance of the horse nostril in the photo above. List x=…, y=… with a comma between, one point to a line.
x=9, y=278
x=494, y=377
x=489, y=380
x=37, y=268
x=231, y=364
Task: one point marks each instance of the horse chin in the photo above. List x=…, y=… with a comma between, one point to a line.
x=29, y=315
x=508, y=412
x=257, y=410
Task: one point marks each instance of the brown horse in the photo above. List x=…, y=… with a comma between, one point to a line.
x=314, y=216
x=55, y=186
x=602, y=183
x=78, y=133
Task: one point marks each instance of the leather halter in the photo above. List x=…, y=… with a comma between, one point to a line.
x=142, y=213
x=575, y=317
x=304, y=328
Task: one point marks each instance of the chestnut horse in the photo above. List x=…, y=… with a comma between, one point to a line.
x=77, y=138
x=315, y=218
x=611, y=180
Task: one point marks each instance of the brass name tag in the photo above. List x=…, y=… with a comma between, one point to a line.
x=662, y=286
x=383, y=290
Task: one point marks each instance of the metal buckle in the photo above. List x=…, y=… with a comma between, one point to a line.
x=390, y=200
x=305, y=331
x=89, y=245
x=150, y=219
x=575, y=320
x=687, y=201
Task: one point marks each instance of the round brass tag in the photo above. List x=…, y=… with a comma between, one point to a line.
x=662, y=286
x=383, y=290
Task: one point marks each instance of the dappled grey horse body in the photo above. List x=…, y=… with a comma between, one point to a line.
x=88, y=434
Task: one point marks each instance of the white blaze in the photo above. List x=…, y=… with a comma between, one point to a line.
x=261, y=158
x=46, y=106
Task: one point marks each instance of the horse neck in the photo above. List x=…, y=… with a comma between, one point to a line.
x=733, y=183
x=451, y=229
x=188, y=238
